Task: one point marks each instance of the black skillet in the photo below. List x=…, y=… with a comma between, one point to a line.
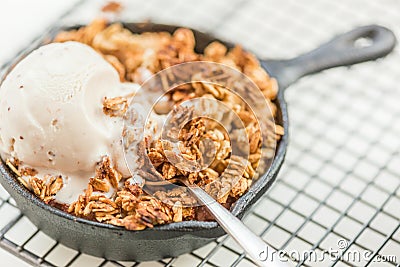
x=174, y=239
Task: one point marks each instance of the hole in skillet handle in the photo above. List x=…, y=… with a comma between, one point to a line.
x=363, y=42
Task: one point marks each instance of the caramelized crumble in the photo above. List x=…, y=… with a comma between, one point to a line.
x=135, y=56
x=112, y=6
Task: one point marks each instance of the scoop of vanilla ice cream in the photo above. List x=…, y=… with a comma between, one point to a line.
x=51, y=111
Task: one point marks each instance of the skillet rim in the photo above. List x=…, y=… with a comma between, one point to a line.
x=239, y=207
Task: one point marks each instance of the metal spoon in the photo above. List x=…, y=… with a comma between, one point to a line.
x=261, y=253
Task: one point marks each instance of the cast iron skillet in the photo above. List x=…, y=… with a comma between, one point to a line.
x=174, y=239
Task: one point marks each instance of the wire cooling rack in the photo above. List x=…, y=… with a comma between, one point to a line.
x=338, y=191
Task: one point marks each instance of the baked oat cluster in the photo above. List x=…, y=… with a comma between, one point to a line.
x=137, y=57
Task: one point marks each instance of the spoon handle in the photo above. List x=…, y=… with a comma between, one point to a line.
x=261, y=253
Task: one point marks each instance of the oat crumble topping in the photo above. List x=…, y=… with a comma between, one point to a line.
x=136, y=56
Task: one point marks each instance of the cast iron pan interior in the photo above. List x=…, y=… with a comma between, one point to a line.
x=174, y=239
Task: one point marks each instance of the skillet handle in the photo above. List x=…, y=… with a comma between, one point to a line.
x=343, y=50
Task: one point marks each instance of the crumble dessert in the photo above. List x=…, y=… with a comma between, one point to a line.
x=85, y=132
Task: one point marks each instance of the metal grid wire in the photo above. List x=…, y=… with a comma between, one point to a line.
x=341, y=177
